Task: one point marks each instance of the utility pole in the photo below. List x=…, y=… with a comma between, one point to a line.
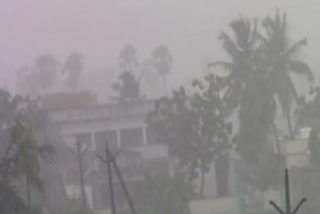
x=288, y=199
x=124, y=187
x=111, y=160
x=79, y=153
x=80, y=156
x=108, y=160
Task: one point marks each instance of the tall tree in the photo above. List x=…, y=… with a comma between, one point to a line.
x=45, y=71
x=162, y=60
x=20, y=151
x=128, y=85
x=194, y=129
x=241, y=51
x=246, y=85
x=248, y=88
x=21, y=162
x=128, y=61
x=73, y=67
x=282, y=58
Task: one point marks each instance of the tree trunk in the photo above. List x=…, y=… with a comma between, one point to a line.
x=288, y=116
x=222, y=166
x=202, y=173
x=275, y=132
x=83, y=194
x=110, y=179
x=28, y=193
x=165, y=85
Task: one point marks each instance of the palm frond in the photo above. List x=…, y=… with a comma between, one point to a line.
x=229, y=46
x=301, y=68
x=296, y=46
x=225, y=65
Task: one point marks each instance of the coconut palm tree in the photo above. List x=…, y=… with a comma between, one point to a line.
x=127, y=87
x=45, y=71
x=128, y=61
x=241, y=51
x=73, y=67
x=162, y=60
x=281, y=57
x=247, y=86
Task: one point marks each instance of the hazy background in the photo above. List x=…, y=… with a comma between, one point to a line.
x=100, y=28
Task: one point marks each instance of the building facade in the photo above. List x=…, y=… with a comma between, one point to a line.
x=123, y=127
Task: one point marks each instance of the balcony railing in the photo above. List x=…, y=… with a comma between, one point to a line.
x=102, y=111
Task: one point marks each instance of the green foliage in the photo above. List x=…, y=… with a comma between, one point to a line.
x=128, y=88
x=128, y=60
x=20, y=153
x=256, y=114
x=308, y=111
x=73, y=67
x=193, y=127
x=258, y=74
x=281, y=58
x=162, y=60
x=240, y=69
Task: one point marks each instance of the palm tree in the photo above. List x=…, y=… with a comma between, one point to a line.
x=45, y=71
x=280, y=56
x=73, y=67
x=162, y=60
x=128, y=61
x=128, y=84
x=247, y=86
x=127, y=87
x=241, y=50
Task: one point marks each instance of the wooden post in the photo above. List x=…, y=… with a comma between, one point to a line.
x=110, y=180
x=79, y=156
x=124, y=187
x=287, y=190
x=111, y=160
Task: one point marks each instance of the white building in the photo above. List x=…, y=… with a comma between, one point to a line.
x=123, y=127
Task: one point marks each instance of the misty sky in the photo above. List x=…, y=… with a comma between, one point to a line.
x=100, y=28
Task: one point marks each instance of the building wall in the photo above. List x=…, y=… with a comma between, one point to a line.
x=97, y=125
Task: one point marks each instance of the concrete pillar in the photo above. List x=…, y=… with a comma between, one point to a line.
x=93, y=143
x=144, y=133
x=118, y=138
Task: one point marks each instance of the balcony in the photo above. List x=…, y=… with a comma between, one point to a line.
x=102, y=112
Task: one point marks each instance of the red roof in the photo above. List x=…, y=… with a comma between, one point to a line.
x=68, y=100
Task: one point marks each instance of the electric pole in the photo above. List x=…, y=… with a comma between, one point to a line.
x=79, y=153
x=110, y=160
x=288, y=198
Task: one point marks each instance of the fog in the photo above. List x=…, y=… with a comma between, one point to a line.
x=100, y=29
x=159, y=107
